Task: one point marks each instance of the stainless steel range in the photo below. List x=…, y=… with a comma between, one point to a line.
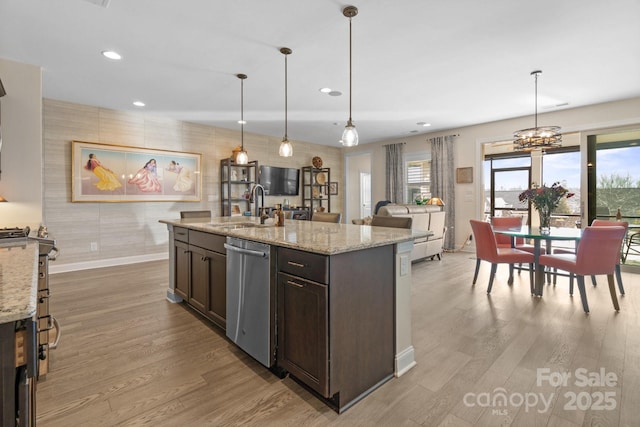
x=48, y=328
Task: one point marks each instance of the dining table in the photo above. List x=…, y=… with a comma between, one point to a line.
x=534, y=234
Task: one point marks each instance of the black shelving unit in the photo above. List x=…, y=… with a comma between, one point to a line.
x=236, y=182
x=315, y=188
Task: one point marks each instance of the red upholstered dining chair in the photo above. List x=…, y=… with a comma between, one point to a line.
x=598, y=252
x=605, y=223
x=599, y=223
x=504, y=241
x=487, y=250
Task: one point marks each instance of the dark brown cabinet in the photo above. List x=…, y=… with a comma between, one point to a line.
x=201, y=272
x=303, y=330
x=199, y=279
x=336, y=321
x=182, y=269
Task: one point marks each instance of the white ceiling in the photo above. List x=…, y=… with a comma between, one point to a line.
x=449, y=63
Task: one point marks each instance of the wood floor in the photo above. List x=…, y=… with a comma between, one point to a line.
x=129, y=357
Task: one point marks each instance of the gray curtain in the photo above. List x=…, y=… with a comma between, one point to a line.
x=394, y=188
x=442, y=183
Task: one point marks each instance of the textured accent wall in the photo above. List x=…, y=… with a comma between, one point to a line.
x=131, y=230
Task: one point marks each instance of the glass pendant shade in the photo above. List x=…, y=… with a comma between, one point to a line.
x=286, y=149
x=242, y=158
x=350, y=135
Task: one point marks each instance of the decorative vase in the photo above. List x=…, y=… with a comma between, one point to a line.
x=545, y=219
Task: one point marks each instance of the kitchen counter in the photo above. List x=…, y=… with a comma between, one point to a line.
x=18, y=279
x=317, y=237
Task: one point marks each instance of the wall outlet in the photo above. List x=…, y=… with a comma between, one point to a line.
x=94, y=246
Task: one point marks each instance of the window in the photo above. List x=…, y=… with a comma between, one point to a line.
x=564, y=167
x=417, y=167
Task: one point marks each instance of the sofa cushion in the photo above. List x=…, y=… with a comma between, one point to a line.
x=422, y=208
x=437, y=225
x=393, y=210
x=420, y=222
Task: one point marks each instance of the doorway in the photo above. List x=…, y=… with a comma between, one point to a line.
x=358, y=191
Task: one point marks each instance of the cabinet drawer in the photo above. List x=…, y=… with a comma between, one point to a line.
x=212, y=242
x=181, y=234
x=304, y=264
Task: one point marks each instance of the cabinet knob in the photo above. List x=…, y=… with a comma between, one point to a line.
x=204, y=258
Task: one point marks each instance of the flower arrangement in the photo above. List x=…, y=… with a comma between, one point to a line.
x=545, y=199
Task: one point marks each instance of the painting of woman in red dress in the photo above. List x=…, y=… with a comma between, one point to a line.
x=146, y=178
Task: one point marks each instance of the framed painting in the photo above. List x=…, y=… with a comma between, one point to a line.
x=118, y=173
x=464, y=175
x=333, y=188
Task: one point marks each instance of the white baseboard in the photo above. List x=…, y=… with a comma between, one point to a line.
x=111, y=262
x=405, y=360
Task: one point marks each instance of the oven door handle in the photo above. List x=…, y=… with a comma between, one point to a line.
x=56, y=325
x=53, y=253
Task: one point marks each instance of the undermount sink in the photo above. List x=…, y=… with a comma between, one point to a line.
x=240, y=225
x=232, y=225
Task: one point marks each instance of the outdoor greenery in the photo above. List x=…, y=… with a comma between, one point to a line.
x=617, y=191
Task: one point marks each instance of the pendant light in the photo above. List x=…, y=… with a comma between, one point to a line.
x=286, y=149
x=537, y=137
x=242, y=158
x=350, y=134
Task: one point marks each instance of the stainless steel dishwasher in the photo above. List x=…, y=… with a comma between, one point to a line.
x=249, y=320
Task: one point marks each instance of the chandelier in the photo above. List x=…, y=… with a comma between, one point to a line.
x=537, y=137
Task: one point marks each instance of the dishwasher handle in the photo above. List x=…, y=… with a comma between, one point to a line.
x=232, y=248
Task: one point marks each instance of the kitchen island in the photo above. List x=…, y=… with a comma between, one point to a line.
x=340, y=296
x=18, y=305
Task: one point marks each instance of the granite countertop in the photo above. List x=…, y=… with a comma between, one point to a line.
x=18, y=279
x=319, y=237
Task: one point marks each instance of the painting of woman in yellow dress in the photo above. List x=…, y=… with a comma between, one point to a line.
x=107, y=180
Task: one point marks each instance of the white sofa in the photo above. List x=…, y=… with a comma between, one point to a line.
x=424, y=217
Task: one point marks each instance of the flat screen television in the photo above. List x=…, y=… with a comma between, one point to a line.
x=279, y=181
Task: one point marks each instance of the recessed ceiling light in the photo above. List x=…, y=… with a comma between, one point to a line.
x=139, y=103
x=242, y=122
x=111, y=55
x=335, y=93
x=325, y=90
x=423, y=124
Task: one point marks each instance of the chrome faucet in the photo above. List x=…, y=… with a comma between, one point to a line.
x=253, y=198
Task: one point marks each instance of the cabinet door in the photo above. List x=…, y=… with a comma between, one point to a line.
x=217, y=306
x=302, y=331
x=199, y=279
x=182, y=269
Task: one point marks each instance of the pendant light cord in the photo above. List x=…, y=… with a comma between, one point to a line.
x=350, y=71
x=242, y=113
x=285, y=98
x=536, y=80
